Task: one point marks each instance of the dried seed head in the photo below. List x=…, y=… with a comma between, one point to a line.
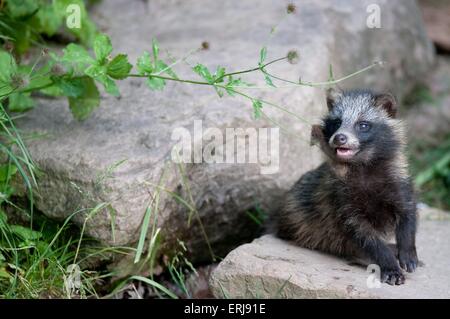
x=293, y=57
x=291, y=8
x=205, y=45
x=18, y=81
x=8, y=46
x=57, y=70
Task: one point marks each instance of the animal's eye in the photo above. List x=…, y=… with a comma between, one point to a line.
x=364, y=126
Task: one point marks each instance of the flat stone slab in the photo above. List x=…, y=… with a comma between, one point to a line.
x=272, y=268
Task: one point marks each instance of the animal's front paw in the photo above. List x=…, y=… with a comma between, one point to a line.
x=392, y=276
x=408, y=259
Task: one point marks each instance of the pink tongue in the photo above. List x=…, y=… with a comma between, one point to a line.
x=342, y=151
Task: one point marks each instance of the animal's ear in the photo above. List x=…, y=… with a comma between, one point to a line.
x=387, y=102
x=316, y=135
x=333, y=95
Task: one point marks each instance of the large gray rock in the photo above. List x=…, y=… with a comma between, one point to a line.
x=272, y=268
x=74, y=156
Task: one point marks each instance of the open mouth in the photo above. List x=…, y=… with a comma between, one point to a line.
x=345, y=153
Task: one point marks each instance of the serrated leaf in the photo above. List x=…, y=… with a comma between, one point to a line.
x=257, y=106
x=20, y=102
x=156, y=83
x=98, y=72
x=119, y=67
x=144, y=64
x=218, y=75
x=232, y=83
x=109, y=85
x=95, y=71
x=72, y=87
x=230, y=90
x=102, y=48
x=268, y=80
x=8, y=67
x=161, y=66
x=77, y=57
x=83, y=105
x=262, y=55
x=203, y=71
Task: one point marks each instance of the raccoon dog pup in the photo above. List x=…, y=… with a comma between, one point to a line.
x=362, y=195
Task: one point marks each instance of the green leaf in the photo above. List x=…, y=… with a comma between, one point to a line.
x=262, y=55
x=3, y=116
x=102, y=48
x=98, y=72
x=22, y=8
x=109, y=84
x=119, y=67
x=47, y=19
x=4, y=273
x=161, y=66
x=8, y=67
x=94, y=71
x=83, y=105
x=268, y=80
x=3, y=218
x=53, y=90
x=25, y=232
x=7, y=171
x=203, y=71
x=233, y=83
x=77, y=57
x=143, y=235
x=155, y=48
x=144, y=64
x=218, y=75
x=156, y=83
x=71, y=87
x=257, y=106
x=39, y=81
x=20, y=102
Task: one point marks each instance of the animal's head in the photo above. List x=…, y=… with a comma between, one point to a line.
x=360, y=127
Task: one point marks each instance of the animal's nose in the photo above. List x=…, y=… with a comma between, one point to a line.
x=339, y=139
